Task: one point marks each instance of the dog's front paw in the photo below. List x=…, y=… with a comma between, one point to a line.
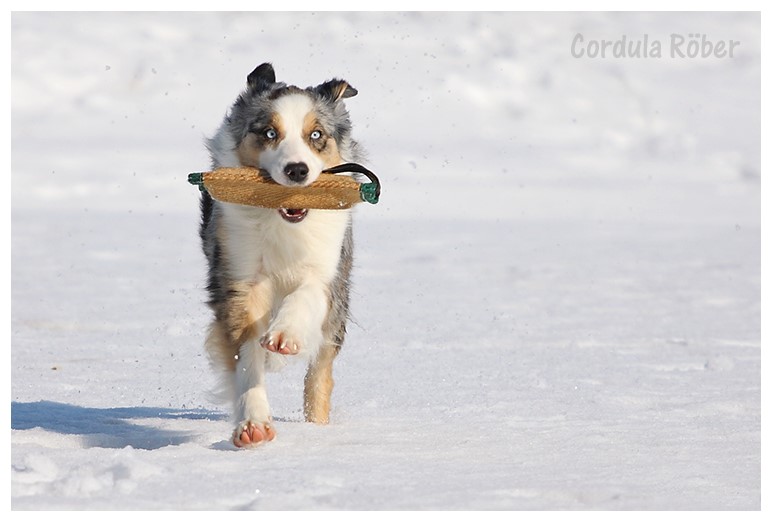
x=280, y=342
x=249, y=434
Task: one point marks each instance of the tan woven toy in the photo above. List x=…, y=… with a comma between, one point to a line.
x=249, y=186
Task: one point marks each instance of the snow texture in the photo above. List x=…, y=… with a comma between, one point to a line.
x=556, y=304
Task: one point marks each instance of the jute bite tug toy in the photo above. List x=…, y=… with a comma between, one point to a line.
x=248, y=186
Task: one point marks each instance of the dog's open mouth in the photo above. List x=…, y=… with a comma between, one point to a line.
x=293, y=215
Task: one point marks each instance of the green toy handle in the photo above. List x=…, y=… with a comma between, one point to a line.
x=369, y=192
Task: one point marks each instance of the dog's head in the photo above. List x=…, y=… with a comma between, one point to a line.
x=290, y=132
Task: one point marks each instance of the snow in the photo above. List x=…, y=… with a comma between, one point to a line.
x=556, y=303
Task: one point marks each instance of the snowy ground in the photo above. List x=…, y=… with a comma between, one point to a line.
x=556, y=305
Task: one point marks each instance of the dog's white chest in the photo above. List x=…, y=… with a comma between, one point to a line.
x=260, y=244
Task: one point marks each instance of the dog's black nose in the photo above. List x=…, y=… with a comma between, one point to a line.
x=297, y=172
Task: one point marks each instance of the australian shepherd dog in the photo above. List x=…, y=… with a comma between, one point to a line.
x=278, y=279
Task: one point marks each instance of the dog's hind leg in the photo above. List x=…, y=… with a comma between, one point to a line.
x=318, y=385
x=318, y=381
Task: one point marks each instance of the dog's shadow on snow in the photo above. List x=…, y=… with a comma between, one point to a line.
x=106, y=427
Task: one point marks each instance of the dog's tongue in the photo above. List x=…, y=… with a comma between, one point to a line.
x=293, y=215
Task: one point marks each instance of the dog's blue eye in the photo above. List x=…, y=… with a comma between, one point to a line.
x=270, y=134
x=315, y=135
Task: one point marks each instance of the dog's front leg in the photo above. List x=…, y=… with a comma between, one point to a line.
x=253, y=414
x=252, y=399
x=297, y=327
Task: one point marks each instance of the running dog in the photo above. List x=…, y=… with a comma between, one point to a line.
x=278, y=280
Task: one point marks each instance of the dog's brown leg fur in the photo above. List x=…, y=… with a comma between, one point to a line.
x=318, y=386
x=222, y=349
x=318, y=381
x=238, y=320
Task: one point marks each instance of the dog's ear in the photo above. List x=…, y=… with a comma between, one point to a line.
x=335, y=90
x=262, y=77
